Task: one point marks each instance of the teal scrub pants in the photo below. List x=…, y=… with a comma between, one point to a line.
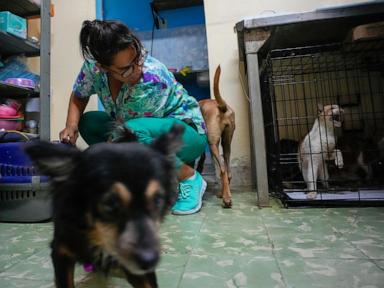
x=96, y=126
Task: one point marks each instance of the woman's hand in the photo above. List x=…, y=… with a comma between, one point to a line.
x=69, y=134
x=75, y=110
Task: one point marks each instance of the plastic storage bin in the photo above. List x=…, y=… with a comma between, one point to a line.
x=13, y=24
x=24, y=195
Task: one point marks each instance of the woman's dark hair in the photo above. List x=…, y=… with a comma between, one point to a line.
x=102, y=40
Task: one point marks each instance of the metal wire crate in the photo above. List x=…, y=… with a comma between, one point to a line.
x=294, y=83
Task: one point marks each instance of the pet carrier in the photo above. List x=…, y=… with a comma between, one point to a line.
x=24, y=195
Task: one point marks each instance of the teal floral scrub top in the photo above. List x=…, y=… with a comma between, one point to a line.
x=157, y=94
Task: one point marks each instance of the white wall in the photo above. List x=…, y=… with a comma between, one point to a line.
x=65, y=57
x=221, y=17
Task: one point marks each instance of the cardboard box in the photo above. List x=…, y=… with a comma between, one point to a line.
x=13, y=24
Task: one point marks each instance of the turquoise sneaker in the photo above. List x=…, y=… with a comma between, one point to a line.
x=191, y=193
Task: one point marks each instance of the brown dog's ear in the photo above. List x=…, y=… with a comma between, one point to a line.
x=169, y=143
x=54, y=160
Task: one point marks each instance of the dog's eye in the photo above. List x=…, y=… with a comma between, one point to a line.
x=111, y=205
x=158, y=200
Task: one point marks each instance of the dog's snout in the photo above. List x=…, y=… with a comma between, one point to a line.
x=147, y=259
x=337, y=117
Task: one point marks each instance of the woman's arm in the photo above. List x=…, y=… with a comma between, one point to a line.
x=75, y=109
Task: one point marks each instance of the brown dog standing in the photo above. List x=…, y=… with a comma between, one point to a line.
x=220, y=121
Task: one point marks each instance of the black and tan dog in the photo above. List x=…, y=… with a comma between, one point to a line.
x=108, y=202
x=219, y=118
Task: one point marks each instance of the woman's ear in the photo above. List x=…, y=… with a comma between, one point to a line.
x=98, y=65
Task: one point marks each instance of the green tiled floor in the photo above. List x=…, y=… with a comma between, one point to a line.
x=232, y=248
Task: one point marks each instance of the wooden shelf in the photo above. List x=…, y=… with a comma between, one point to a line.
x=12, y=45
x=23, y=8
x=175, y=4
x=7, y=90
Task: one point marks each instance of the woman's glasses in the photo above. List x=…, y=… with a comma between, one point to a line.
x=138, y=61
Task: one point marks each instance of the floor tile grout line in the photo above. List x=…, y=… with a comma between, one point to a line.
x=190, y=253
x=273, y=252
x=377, y=265
x=340, y=234
x=183, y=271
x=367, y=257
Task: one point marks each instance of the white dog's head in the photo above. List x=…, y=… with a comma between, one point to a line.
x=332, y=114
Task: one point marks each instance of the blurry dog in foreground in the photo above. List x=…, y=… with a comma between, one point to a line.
x=220, y=121
x=318, y=146
x=108, y=202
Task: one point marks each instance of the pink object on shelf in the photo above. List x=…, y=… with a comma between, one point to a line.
x=9, y=109
x=13, y=103
x=11, y=124
x=6, y=111
x=15, y=117
x=21, y=82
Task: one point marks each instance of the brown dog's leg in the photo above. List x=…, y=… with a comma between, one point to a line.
x=224, y=193
x=226, y=140
x=64, y=267
x=227, y=197
x=216, y=157
x=148, y=280
x=226, y=144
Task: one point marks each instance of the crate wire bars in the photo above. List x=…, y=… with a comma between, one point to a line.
x=295, y=82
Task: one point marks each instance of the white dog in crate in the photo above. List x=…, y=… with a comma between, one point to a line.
x=318, y=146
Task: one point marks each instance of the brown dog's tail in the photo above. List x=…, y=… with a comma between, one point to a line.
x=216, y=91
